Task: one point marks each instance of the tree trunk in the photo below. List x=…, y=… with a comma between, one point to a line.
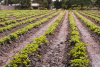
x=81, y=6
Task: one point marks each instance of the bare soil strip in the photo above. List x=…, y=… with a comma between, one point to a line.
x=7, y=32
x=67, y=58
x=4, y=59
x=93, y=47
x=56, y=49
x=91, y=20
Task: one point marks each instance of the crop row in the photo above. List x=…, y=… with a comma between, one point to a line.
x=92, y=16
x=89, y=24
x=79, y=51
x=3, y=19
x=22, y=31
x=20, y=19
x=9, y=27
x=51, y=29
x=22, y=13
x=22, y=60
x=91, y=13
x=35, y=14
x=5, y=16
x=7, y=22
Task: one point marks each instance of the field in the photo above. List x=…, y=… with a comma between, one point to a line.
x=49, y=38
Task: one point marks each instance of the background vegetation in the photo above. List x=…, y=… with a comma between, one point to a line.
x=65, y=4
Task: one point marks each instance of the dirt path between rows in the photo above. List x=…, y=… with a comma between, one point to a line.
x=9, y=56
x=54, y=55
x=7, y=32
x=93, y=47
x=91, y=20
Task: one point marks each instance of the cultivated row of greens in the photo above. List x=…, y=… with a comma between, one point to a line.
x=23, y=18
x=24, y=30
x=92, y=13
x=22, y=13
x=79, y=51
x=5, y=15
x=89, y=24
x=22, y=60
x=92, y=16
x=52, y=28
x=7, y=22
x=11, y=26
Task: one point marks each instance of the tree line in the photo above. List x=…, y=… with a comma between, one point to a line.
x=65, y=4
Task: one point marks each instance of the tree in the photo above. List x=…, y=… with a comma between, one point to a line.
x=63, y=4
x=57, y=4
x=98, y=3
x=25, y=3
x=45, y=3
x=68, y=4
x=49, y=3
x=81, y=3
x=11, y=1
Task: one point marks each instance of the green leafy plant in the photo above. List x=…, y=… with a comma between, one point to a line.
x=82, y=62
x=22, y=60
x=79, y=51
x=89, y=24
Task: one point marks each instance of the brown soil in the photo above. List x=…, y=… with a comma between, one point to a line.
x=12, y=17
x=91, y=20
x=69, y=47
x=93, y=48
x=53, y=53
x=95, y=36
x=7, y=32
x=67, y=58
x=9, y=50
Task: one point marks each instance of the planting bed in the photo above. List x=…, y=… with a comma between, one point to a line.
x=49, y=38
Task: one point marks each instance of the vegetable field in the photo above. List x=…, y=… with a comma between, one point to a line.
x=49, y=38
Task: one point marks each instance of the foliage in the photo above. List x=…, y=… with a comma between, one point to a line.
x=79, y=51
x=9, y=27
x=24, y=30
x=93, y=16
x=89, y=24
x=57, y=4
x=82, y=62
x=51, y=29
x=67, y=4
x=88, y=13
x=22, y=60
x=98, y=3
